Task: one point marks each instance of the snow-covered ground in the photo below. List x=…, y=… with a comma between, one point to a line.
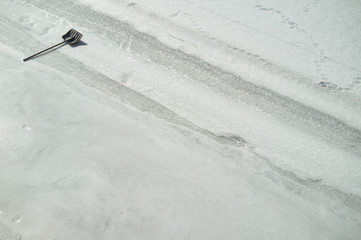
x=181, y=119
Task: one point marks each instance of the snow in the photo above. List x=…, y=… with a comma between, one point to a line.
x=180, y=120
x=214, y=36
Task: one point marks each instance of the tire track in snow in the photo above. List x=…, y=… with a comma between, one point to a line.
x=321, y=59
x=290, y=23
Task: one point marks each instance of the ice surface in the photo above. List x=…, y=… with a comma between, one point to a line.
x=180, y=120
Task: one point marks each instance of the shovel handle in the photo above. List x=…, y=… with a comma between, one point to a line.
x=26, y=59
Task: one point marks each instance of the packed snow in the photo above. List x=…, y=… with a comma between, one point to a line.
x=181, y=119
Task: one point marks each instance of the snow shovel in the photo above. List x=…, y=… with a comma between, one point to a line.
x=71, y=37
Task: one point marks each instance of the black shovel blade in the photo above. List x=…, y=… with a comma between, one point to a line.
x=72, y=36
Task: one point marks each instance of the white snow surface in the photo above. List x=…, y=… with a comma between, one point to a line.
x=181, y=119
